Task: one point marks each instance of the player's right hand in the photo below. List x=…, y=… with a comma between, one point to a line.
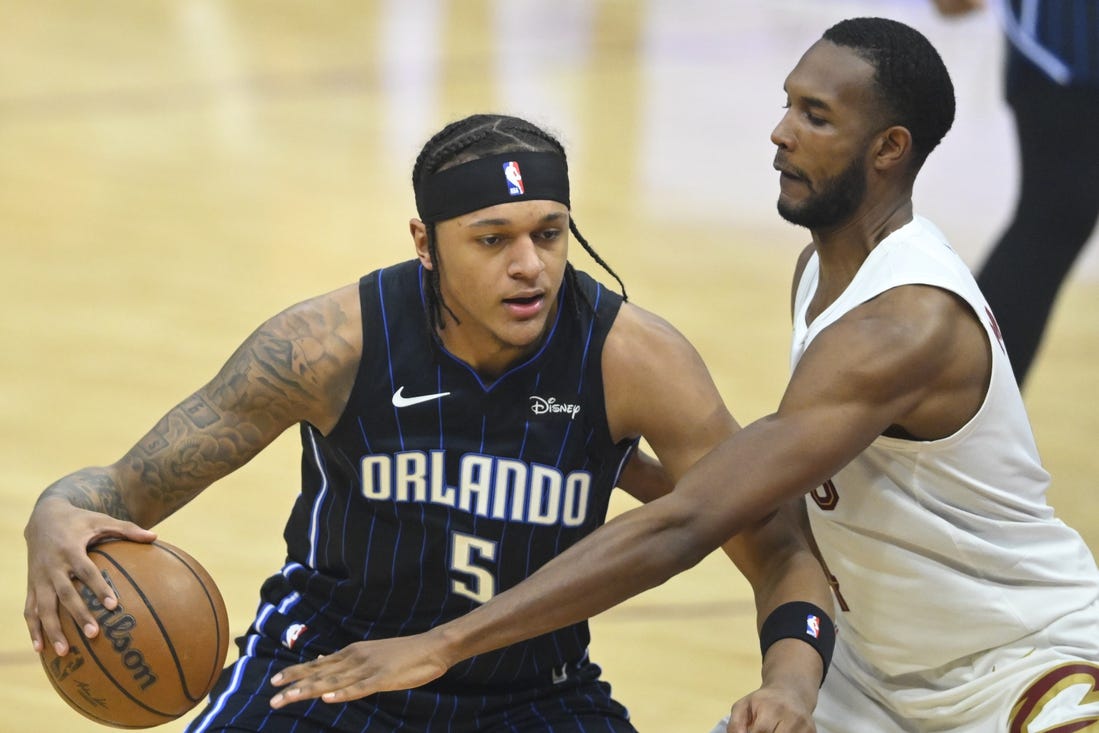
x=58, y=535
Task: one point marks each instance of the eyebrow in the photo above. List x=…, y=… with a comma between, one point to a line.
x=816, y=103
x=808, y=100
x=548, y=218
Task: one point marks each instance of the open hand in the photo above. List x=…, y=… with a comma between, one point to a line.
x=361, y=669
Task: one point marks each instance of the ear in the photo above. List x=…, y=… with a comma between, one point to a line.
x=419, y=238
x=894, y=148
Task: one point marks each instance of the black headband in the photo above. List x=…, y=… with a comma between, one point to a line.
x=497, y=179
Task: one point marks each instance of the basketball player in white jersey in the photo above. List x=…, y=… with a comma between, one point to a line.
x=964, y=604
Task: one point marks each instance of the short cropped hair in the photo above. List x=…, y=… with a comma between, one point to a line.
x=911, y=78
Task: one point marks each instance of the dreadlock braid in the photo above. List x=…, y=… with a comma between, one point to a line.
x=471, y=138
x=595, y=256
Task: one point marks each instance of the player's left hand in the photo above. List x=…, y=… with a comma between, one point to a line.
x=361, y=669
x=769, y=710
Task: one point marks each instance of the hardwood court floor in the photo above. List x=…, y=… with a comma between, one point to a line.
x=171, y=173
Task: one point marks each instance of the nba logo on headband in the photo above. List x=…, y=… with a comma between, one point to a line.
x=514, y=178
x=476, y=184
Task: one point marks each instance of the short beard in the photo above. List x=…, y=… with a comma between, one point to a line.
x=838, y=199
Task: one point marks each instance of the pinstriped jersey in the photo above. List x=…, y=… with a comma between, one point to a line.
x=438, y=489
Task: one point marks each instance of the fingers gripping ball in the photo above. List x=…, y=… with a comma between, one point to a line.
x=158, y=653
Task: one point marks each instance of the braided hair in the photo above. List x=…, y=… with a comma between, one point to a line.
x=471, y=138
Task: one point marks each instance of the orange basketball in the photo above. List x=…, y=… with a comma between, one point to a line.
x=158, y=653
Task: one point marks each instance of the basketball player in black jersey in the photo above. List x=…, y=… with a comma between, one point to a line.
x=464, y=417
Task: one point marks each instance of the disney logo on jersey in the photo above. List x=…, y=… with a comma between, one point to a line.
x=550, y=406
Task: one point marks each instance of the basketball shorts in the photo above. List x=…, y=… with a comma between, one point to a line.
x=1048, y=681
x=577, y=702
x=1045, y=683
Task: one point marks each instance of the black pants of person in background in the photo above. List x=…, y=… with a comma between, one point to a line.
x=1058, y=136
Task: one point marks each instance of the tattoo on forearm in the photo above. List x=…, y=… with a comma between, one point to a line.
x=282, y=374
x=188, y=448
x=199, y=414
x=91, y=489
x=198, y=442
x=157, y=439
x=199, y=411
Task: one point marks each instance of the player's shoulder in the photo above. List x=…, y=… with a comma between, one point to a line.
x=636, y=326
x=342, y=297
x=642, y=340
x=658, y=386
x=334, y=315
x=909, y=329
x=915, y=306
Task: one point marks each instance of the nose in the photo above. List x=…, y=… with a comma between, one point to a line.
x=781, y=135
x=526, y=262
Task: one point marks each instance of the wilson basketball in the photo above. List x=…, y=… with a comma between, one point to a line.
x=158, y=653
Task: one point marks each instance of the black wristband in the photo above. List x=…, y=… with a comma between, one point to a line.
x=800, y=620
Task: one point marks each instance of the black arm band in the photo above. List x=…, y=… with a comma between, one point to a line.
x=800, y=620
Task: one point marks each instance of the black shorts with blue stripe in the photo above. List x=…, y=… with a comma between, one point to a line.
x=578, y=702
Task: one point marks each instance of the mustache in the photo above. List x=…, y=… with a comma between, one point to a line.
x=783, y=166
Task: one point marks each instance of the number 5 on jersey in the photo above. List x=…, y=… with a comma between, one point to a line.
x=465, y=550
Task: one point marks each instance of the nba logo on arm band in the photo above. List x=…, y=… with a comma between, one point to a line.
x=496, y=179
x=800, y=620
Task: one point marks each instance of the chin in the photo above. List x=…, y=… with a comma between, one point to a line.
x=526, y=334
x=788, y=212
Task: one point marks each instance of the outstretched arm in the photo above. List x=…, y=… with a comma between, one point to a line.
x=904, y=359
x=657, y=387
x=683, y=418
x=297, y=366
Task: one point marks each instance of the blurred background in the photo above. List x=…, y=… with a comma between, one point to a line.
x=172, y=173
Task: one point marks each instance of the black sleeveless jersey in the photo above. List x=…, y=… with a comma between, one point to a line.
x=437, y=490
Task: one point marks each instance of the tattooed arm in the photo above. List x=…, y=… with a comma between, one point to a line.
x=297, y=367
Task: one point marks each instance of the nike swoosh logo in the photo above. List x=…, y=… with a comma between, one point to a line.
x=399, y=400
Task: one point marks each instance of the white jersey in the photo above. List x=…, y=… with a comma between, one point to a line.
x=943, y=548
